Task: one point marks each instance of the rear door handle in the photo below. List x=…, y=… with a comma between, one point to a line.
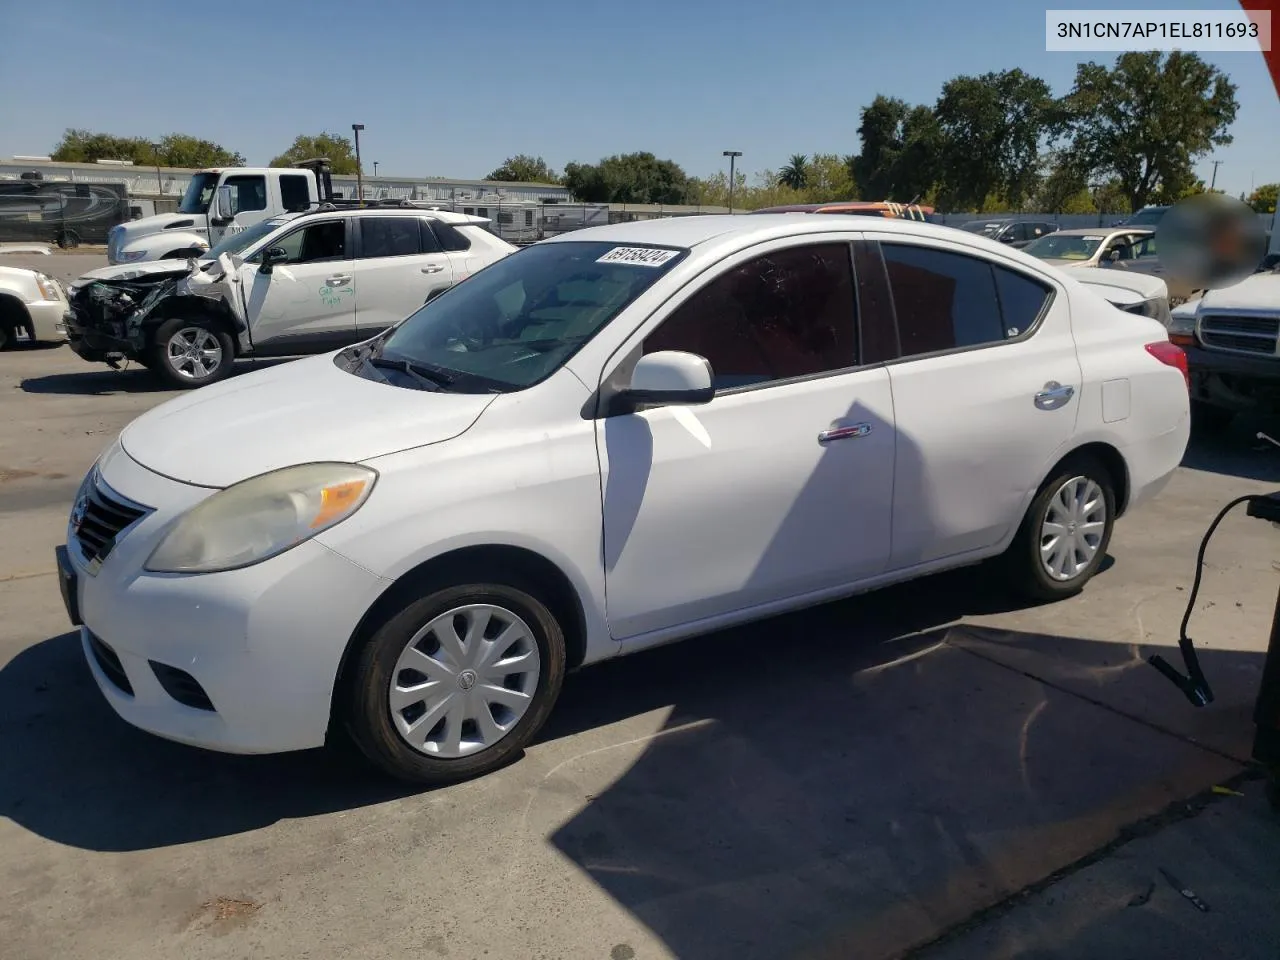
x=338, y=281
x=844, y=433
x=433, y=268
x=1054, y=395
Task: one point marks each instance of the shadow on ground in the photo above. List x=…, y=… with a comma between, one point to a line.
x=133, y=378
x=1236, y=451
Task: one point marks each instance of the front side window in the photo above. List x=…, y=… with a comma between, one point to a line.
x=785, y=314
x=235, y=242
x=390, y=237
x=520, y=319
x=947, y=301
x=315, y=243
x=247, y=193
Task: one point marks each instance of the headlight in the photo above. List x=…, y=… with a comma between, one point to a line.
x=48, y=288
x=132, y=257
x=262, y=517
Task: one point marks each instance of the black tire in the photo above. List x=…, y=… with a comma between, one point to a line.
x=68, y=240
x=188, y=375
x=7, y=336
x=1207, y=417
x=1023, y=558
x=368, y=718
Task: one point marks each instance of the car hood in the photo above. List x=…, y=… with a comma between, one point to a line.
x=300, y=412
x=132, y=271
x=1258, y=292
x=1120, y=286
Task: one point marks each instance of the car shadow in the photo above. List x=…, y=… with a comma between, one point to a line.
x=1236, y=450
x=132, y=378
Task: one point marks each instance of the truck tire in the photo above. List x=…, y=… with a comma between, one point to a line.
x=189, y=353
x=68, y=239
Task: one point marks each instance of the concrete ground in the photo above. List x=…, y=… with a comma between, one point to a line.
x=924, y=769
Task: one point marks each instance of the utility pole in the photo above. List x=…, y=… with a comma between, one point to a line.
x=155, y=149
x=356, y=128
x=1214, y=179
x=732, y=155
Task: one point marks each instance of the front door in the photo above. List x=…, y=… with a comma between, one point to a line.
x=249, y=205
x=778, y=488
x=986, y=395
x=399, y=266
x=308, y=303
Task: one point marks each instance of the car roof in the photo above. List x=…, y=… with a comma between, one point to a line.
x=1094, y=231
x=445, y=216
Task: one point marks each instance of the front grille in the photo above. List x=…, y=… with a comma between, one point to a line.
x=104, y=516
x=110, y=665
x=1240, y=334
x=182, y=686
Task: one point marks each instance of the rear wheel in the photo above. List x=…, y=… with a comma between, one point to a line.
x=456, y=683
x=190, y=353
x=1064, y=536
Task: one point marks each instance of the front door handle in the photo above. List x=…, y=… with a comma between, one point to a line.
x=433, y=268
x=844, y=433
x=1054, y=395
x=338, y=281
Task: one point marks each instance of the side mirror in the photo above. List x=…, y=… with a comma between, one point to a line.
x=670, y=377
x=271, y=256
x=222, y=205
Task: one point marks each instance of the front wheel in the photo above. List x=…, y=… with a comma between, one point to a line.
x=456, y=683
x=190, y=353
x=1064, y=536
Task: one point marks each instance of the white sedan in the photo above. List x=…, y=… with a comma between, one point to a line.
x=32, y=304
x=609, y=440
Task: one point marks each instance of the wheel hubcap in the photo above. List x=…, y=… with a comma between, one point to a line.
x=194, y=353
x=1071, y=533
x=464, y=681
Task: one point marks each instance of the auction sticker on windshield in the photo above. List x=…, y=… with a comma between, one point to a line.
x=1095, y=238
x=639, y=256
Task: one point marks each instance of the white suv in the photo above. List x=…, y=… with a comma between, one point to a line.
x=289, y=286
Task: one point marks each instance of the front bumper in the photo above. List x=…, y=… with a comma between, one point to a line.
x=1234, y=381
x=46, y=319
x=258, y=648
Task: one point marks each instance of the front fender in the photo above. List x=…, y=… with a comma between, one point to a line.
x=158, y=246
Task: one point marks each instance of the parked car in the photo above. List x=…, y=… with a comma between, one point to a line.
x=1138, y=293
x=300, y=283
x=1125, y=248
x=31, y=304
x=1015, y=233
x=612, y=439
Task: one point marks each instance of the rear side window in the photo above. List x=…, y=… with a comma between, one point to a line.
x=450, y=237
x=428, y=239
x=293, y=192
x=389, y=237
x=947, y=301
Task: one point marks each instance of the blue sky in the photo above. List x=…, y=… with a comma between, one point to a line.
x=444, y=91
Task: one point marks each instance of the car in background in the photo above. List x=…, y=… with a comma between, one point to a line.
x=1015, y=233
x=1132, y=249
x=32, y=305
x=612, y=439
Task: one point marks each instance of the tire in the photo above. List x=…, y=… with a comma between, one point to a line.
x=1205, y=416
x=68, y=240
x=206, y=358
x=407, y=645
x=1030, y=573
x=7, y=336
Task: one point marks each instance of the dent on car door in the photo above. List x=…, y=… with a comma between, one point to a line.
x=307, y=304
x=777, y=488
x=400, y=265
x=985, y=395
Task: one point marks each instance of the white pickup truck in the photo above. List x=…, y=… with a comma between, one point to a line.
x=288, y=286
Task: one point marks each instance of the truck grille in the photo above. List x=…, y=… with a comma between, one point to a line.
x=1240, y=334
x=103, y=518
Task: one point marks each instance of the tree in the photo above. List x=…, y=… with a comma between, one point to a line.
x=827, y=177
x=992, y=128
x=338, y=149
x=713, y=191
x=1145, y=121
x=1063, y=186
x=900, y=148
x=628, y=178
x=176, y=150
x=793, y=175
x=523, y=168
x=1263, y=199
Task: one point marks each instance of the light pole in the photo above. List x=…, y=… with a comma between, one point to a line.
x=1214, y=179
x=375, y=168
x=356, y=128
x=155, y=150
x=732, y=155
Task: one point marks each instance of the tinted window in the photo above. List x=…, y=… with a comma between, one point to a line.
x=942, y=300
x=1021, y=300
x=293, y=192
x=315, y=243
x=247, y=193
x=450, y=237
x=786, y=314
x=428, y=239
x=389, y=237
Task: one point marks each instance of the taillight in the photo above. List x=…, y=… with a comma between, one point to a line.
x=1173, y=355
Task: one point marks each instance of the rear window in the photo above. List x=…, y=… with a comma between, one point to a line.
x=450, y=237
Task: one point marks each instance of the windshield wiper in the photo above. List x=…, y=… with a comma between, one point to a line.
x=437, y=379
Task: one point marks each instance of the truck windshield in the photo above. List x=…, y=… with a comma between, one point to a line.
x=235, y=242
x=520, y=319
x=199, y=193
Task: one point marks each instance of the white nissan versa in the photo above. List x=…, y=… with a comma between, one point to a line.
x=608, y=440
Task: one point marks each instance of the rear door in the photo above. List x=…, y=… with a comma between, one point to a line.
x=984, y=393
x=308, y=303
x=399, y=266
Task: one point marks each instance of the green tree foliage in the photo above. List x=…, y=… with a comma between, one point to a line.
x=1145, y=121
x=175, y=150
x=523, y=168
x=900, y=150
x=1263, y=199
x=794, y=174
x=1064, y=187
x=628, y=178
x=338, y=149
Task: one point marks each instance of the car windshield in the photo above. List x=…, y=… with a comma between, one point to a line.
x=235, y=242
x=199, y=193
x=520, y=319
x=983, y=227
x=1060, y=246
